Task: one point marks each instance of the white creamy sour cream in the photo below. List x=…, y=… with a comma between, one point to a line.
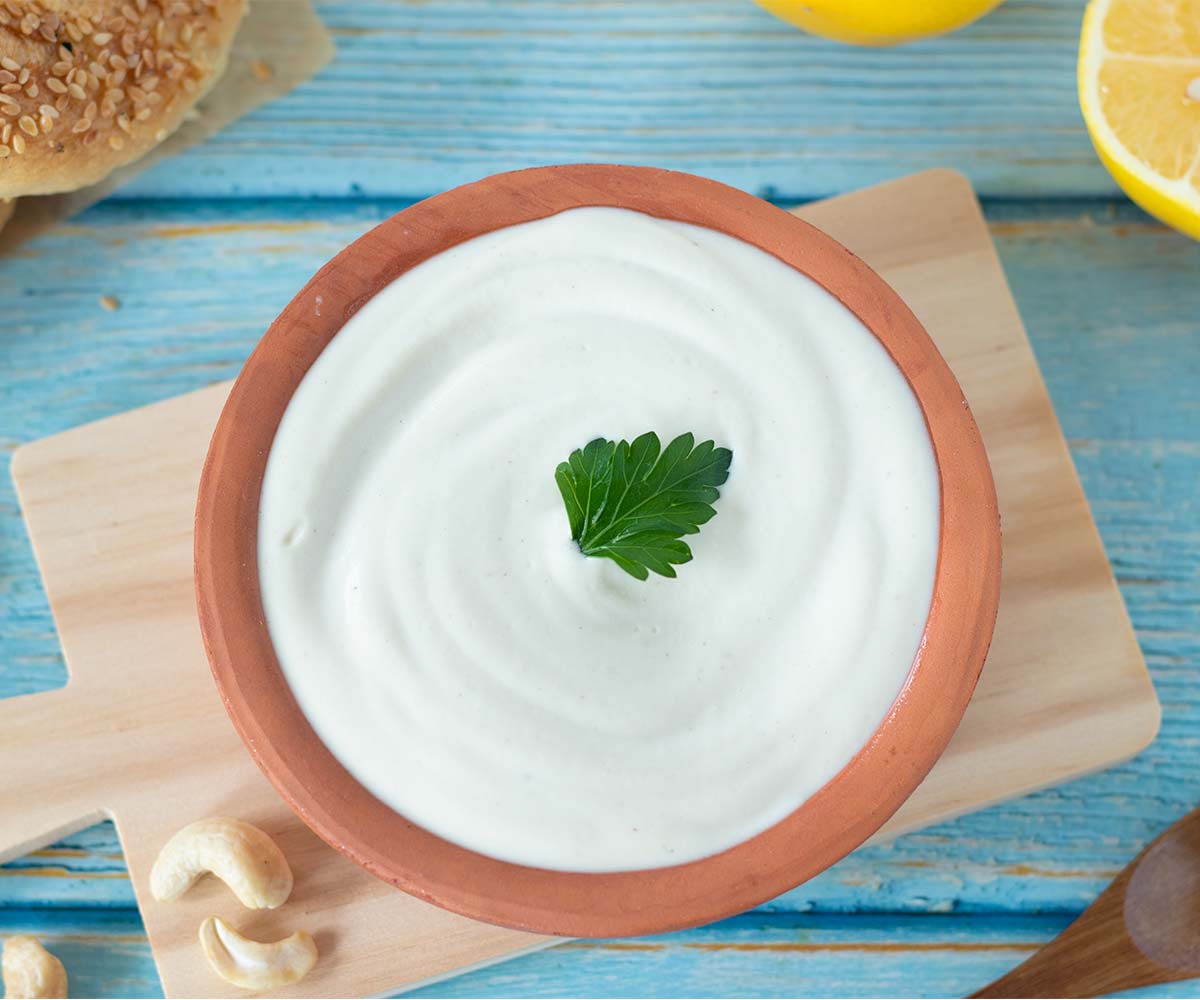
x=470, y=667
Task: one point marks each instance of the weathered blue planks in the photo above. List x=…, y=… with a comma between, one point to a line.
x=424, y=96
x=755, y=955
x=1115, y=323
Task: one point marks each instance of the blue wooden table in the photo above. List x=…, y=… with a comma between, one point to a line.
x=205, y=249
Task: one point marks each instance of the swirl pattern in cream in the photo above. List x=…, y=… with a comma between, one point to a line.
x=462, y=659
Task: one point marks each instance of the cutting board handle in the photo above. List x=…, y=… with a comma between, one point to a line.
x=50, y=785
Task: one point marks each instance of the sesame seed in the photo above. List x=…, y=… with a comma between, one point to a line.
x=10, y=88
x=32, y=90
x=123, y=124
x=18, y=144
x=76, y=91
x=24, y=77
x=116, y=142
x=28, y=125
x=102, y=37
x=10, y=64
x=48, y=111
x=82, y=125
x=56, y=85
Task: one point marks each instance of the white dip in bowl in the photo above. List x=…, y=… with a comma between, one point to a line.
x=464, y=661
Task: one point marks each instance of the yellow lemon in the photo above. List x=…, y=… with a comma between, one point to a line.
x=879, y=22
x=1139, y=88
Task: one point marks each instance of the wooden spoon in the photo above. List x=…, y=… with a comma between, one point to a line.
x=1143, y=929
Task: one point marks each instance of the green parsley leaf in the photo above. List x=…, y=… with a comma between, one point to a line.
x=632, y=503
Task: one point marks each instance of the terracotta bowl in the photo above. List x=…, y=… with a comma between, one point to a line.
x=844, y=813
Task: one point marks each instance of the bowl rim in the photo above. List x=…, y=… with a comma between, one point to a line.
x=848, y=809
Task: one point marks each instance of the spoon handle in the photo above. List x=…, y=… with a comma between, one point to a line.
x=1048, y=973
x=1092, y=957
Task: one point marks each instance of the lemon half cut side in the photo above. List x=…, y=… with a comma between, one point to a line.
x=1139, y=90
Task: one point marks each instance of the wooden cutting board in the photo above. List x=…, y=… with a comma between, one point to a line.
x=139, y=733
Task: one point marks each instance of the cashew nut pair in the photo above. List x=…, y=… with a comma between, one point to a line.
x=30, y=971
x=253, y=866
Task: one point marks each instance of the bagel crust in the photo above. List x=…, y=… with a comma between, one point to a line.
x=87, y=86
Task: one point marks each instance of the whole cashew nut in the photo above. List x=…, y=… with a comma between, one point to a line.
x=255, y=965
x=240, y=855
x=30, y=970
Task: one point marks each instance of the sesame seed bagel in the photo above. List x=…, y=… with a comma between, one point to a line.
x=87, y=86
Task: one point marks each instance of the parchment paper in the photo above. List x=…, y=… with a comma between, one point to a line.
x=280, y=44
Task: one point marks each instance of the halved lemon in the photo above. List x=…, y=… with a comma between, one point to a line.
x=1139, y=88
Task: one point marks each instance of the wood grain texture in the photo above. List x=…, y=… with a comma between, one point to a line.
x=1113, y=321
x=424, y=96
x=1111, y=308
x=865, y=225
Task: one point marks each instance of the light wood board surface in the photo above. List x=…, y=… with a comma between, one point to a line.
x=139, y=732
